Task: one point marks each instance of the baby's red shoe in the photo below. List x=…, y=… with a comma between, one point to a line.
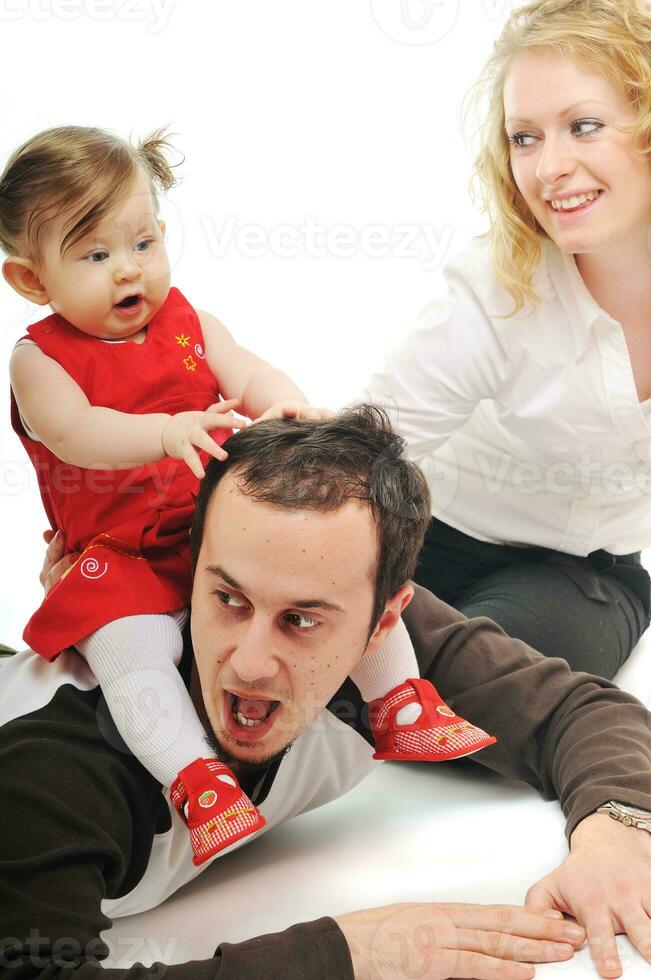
x=218, y=811
x=437, y=735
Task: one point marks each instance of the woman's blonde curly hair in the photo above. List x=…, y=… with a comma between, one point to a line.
x=612, y=38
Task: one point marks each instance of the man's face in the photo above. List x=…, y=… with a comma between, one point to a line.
x=281, y=606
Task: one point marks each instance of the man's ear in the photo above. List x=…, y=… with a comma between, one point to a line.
x=389, y=618
x=21, y=276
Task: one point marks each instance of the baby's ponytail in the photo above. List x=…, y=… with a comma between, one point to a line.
x=152, y=153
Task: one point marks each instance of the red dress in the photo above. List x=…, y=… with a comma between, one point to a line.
x=131, y=526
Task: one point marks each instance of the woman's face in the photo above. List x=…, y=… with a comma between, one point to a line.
x=562, y=124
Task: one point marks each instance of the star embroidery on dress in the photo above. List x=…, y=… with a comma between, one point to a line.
x=190, y=362
x=182, y=340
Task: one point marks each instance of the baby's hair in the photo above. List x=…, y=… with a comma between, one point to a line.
x=74, y=165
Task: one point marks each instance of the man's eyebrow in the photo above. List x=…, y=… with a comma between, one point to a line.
x=564, y=112
x=316, y=604
x=297, y=603
x=217, y=570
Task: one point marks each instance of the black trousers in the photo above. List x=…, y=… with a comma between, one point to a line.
x=589, y=611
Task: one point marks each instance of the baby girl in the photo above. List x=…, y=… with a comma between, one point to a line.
x=119, y=397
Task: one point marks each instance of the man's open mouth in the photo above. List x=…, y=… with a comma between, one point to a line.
x=249, y=711
x=249, y=719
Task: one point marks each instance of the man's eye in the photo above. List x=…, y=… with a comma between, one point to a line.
x=312, y=623
x=227, y=599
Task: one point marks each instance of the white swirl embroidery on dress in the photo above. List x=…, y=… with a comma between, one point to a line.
x=198, y=349
x=90, y=568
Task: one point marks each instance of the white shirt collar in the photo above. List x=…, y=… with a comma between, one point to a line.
x=581, y=307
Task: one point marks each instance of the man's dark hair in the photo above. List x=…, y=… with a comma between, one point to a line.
x=319, y=465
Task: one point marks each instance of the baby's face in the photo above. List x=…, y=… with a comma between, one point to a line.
x=124, y=256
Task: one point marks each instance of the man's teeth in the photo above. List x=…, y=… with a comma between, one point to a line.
x=573, y=202
x=249, y=722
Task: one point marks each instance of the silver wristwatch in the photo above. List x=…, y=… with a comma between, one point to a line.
x=630, y=816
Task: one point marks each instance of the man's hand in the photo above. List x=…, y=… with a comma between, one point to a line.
x=295, y=410
x=605, y=883
x=56, y=560
x=186, y=432
x=437, y=941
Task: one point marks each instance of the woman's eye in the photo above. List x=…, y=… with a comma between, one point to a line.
x=312, y=623
x=515, y=139
x=586, y=122
x=227, y=599
x=518, y=139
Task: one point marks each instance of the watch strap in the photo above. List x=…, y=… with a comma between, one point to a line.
x=628, y=815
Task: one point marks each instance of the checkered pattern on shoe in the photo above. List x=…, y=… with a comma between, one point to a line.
x=461, y=736
x=229, y=815
x=218, y=832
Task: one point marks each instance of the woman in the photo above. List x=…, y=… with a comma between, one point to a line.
x=525, y=392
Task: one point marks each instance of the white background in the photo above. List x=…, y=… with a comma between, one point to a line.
x=330, y=131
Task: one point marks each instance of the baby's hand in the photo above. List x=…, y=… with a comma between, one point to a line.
x=187, y=430
x=295, y=410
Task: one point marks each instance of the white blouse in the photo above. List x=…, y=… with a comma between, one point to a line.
x=528, y=429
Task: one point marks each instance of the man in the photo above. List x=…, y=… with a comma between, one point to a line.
x=304, y=543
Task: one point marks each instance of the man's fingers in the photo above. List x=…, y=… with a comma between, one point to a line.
x=509, y=947
x=57, y=571
x=539, y=896
x=515, y=920
x=461, y=963
x=601, y=937
x=54, y=552
x=637, y=925
x=536, y=909
x=56, y=545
